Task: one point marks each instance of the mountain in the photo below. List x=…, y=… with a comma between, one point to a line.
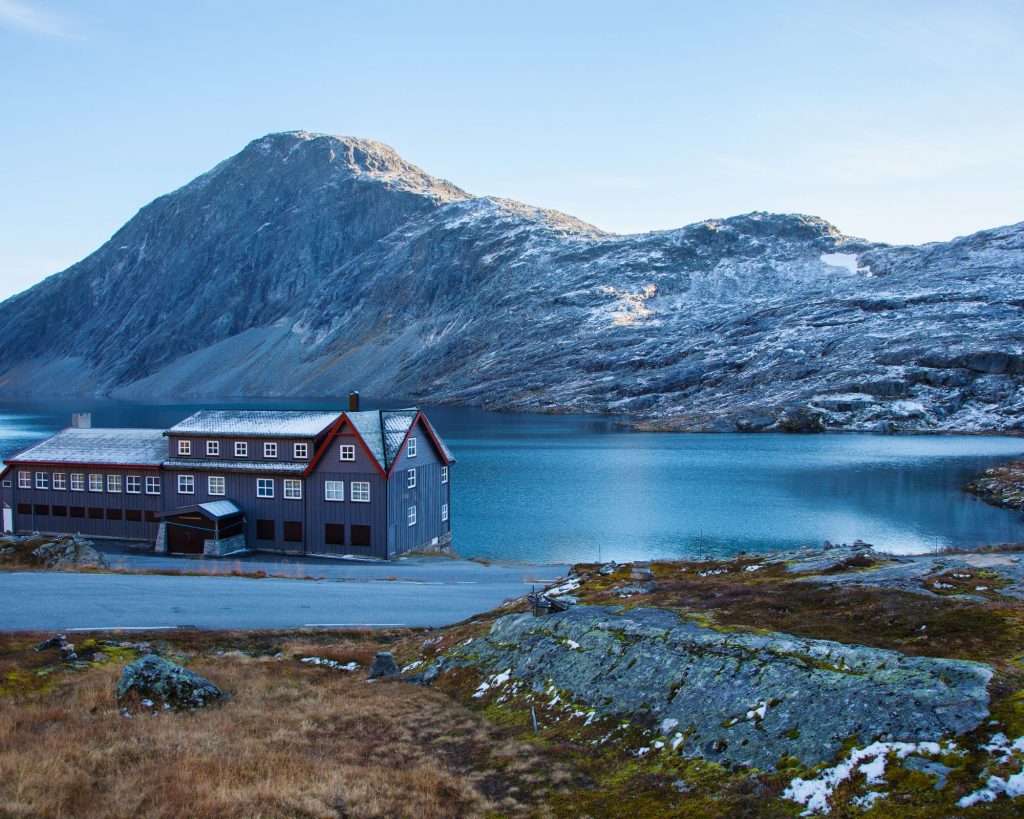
x=308, y=264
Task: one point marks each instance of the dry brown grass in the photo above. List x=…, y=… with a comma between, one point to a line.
x=293, y=740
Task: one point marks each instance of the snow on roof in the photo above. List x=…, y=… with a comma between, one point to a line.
x=220, y=509
x=395, y=424
x=256, y=423
x=237, y=466
x=120, y=447
x=385, y=430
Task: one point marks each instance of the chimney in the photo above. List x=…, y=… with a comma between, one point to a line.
x=81, y=420
x=353, y=401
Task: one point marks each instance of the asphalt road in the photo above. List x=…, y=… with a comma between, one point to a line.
x=433, y=593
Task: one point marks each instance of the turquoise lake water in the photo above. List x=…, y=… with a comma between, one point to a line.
x=567, y=488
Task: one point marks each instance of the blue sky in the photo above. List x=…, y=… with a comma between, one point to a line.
x=899, y=122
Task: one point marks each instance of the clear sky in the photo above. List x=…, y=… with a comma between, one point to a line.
x=896, y=121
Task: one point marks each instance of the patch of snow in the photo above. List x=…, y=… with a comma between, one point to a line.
x=753, y=568
x=848, y=261
x=326, y=663
x=668, y=724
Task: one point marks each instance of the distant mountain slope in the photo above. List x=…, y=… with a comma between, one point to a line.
x=310, y=264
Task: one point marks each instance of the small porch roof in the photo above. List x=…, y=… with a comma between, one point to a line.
x=213, y=510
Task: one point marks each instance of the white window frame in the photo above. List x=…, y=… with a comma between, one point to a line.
x=60, y=480
x=152, y=484
x=184, y=446
x=264, y=487
x=444, y=474
x=359, y=491
x=269, y=449
x=216, y=485
x=115, y=484
x=410, y=479
x=300, y=452
x=77, y=481
x=213, y=447
x=24, y=480
x=410, y=516
x=186, y=484
x=444, y=512
x=95, y=482
x=334, y=488
x=292, y=489
x=410, y=447
x=241, y=449
x=347, y=452
x=133, y=484
x=42, y=480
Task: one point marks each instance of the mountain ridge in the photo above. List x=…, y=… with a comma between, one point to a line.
x=307, y=264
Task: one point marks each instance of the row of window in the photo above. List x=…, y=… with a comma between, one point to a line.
x=91, y=512
x=300, y=452
x=410, y=477
x=410, y=515
x=76, y=481
x=359, y=491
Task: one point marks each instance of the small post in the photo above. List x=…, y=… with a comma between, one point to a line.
x=533, y=715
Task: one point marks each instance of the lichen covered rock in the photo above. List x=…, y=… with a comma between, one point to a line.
x=153, y=681
x=742, y=698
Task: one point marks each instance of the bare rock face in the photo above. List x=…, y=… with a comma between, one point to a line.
x=334, y=261
x=743, y=698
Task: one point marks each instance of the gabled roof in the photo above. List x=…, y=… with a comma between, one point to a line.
x=383, y=432
x=256, y=423
x=112, y=447
x=211, y=510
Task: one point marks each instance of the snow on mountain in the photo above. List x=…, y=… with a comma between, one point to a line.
x=310, y=264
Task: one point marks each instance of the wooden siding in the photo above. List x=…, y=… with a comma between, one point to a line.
x=95, y=527
x=428, y=496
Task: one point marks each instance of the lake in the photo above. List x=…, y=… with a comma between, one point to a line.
x=568, y=488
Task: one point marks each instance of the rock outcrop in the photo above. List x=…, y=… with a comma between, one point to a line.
x=330, y=260
x=743, y=698
x=153, y=682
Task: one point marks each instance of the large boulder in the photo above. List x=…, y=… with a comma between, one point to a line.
x=384, y=666
x=70, y=553
x=742, y=698
x=152, y=681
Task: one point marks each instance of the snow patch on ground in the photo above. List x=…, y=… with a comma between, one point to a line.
x=844, y=260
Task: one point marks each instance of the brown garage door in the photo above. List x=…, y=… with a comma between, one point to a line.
x=184, y=539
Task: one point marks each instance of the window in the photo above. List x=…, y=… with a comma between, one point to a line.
x=95, y=483
x=42, y=480
x=241, y=449
x=24, y=508
x=77, y=482
x=410, y=448
x=133, y=514
x=114, y=483
x=444, y=474
x=348, y=452
x=184, y=447
x=293, y=489
x=300, y=451
x=270, y=450
x=24, y=480
x=114, y=514
x=360, y=492
x=334, y=490
x=411, y=516
x=215, y=485
x=293, y=531
x=133, y=484
x=213, y=447
x=360, y=535
x=444, y=512
x=41, y=509
x=334, y=534
x=152, y=485
x=77, y=512
x=95, y=513
x=264, y=487
x=60, y=480
x=151, y=516
x=410, y=479
x=186, y=484
x=266, y=530
x=59, y=511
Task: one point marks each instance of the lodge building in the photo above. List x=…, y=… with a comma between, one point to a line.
x=371, y=483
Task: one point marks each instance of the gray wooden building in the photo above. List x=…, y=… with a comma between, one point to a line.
x=372, y=483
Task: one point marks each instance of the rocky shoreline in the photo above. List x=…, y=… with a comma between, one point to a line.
x=1001, y=486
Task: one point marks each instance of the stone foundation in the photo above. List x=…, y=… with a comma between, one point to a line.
x=161, y=539
x=224, y=546
x=439, y=545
